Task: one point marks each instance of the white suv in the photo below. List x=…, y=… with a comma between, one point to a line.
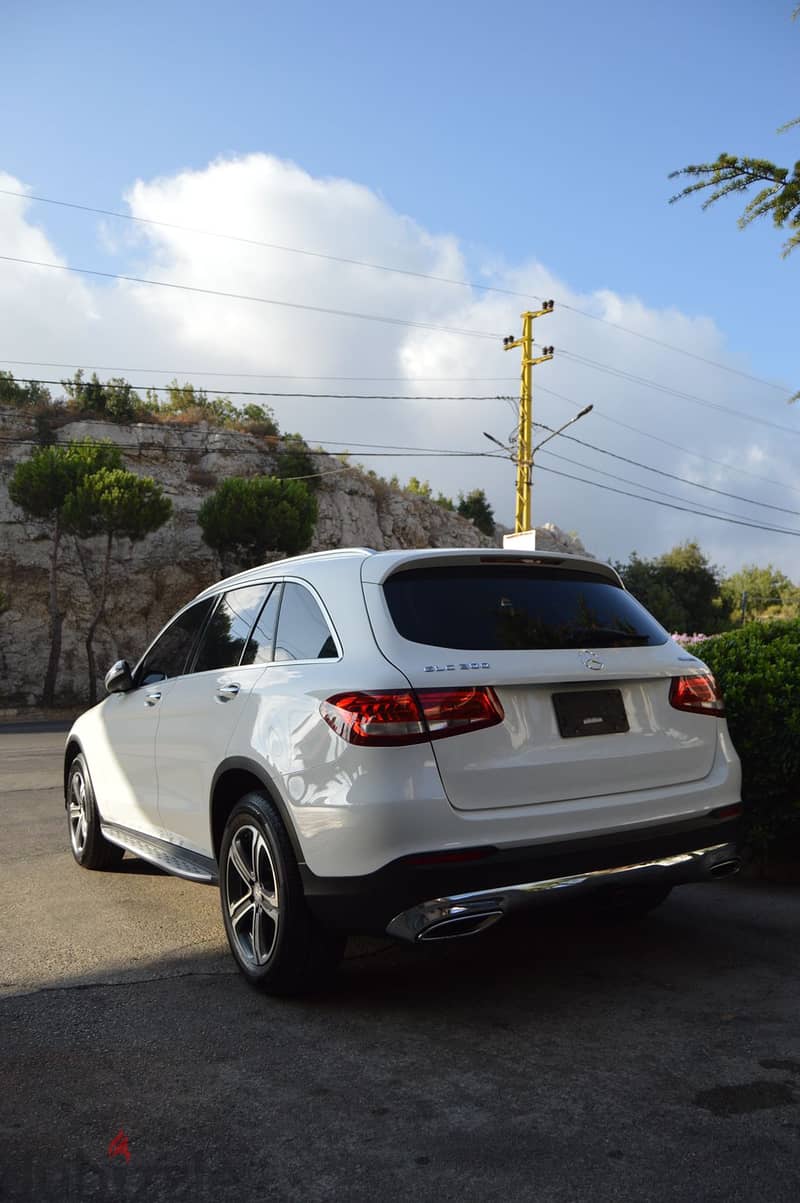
x=407, y=742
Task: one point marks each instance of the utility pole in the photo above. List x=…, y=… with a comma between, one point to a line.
x=524, y=457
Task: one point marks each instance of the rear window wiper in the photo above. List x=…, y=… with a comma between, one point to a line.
x=590, y=633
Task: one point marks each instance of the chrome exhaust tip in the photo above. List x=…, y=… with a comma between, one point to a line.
x=462, y=925
x=726, y=868
x=457, y=915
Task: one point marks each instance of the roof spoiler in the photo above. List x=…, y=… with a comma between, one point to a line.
x=378, y=568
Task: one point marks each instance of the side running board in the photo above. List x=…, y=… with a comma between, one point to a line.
x=170, y=857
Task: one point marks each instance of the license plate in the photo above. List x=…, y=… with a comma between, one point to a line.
x=590, y=712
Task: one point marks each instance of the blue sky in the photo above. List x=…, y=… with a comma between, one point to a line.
x=549, y=133
x=544, y=133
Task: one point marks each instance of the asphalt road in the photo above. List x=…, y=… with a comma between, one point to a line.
x=552, y=1060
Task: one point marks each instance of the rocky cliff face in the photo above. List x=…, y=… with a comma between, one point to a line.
x=153, y=578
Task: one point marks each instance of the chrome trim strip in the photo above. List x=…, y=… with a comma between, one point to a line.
x=684, y=867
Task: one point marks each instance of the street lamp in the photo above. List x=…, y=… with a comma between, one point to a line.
x=530, y=536
x=587, y=409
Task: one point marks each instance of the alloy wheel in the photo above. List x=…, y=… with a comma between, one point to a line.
x=78, y=813
x=252, y=895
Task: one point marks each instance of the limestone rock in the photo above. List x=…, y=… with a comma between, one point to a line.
x=153, y=578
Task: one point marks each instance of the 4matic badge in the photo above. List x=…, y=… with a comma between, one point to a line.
x=451, y=668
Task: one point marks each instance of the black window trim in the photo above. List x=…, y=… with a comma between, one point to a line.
x=273, y=584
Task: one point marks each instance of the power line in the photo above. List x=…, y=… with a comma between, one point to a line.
x=640, y=485
x=660, y=342
x=420, y=397
x=665, y=388
x=236, y=296
x=776, y=530
x=232, y=392
x=471, y=284
x=671, y=475
x=401, y=452
x=440, y=453
x=493, y=397
x=270, y=246
x=96, y=367
x=647, y=434
x=371, y=379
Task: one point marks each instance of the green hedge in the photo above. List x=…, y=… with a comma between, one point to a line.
x=758, y=669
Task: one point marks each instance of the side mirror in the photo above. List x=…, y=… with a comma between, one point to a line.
x=118, y=678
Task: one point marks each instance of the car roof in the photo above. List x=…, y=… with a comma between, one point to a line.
x=376, y=566
x=288, y=566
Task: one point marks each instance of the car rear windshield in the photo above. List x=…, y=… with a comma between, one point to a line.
x=501, y=608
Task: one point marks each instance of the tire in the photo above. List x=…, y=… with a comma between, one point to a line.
x=633, y=902
x=89, y=847
x=277, y=944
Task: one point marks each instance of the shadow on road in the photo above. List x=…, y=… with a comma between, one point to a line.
x=555, y=1058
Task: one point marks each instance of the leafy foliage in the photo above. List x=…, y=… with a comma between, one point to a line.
x=756, y=666
x=117, y=503
x=680, y=588
x=114, y=399
x=22, y=395
x=419, y=488
x=187, y=402
x=42, y=484
x=778, y=196
x=761, y=593
x=293, y=459
x=422, y=488
x=245, y=520
x=476, y=507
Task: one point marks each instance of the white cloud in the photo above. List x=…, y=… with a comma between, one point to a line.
x=53, y=316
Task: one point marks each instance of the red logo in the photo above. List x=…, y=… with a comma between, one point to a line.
x=118, y=1147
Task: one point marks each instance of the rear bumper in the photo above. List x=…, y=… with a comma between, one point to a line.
x=392, y=898
x=467, y=914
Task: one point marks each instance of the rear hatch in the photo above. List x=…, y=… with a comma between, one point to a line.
x=581, y=670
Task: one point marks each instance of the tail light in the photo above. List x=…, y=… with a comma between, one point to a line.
x=700, y=694
x=389, y=717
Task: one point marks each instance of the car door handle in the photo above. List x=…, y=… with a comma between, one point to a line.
x=152, y=698
x=228, y=691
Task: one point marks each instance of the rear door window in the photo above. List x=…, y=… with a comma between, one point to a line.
x=502, y=608
x=229, y=628
x=303, y=633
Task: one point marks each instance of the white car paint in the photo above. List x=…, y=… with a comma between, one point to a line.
x=353, y=809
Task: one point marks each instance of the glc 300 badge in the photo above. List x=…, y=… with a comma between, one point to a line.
x=593, y=662
x=451, y=668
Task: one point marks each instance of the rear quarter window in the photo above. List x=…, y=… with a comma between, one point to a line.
x=303, y=633
x=486, y=608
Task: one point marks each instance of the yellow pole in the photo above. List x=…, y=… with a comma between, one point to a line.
x=522, y=514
